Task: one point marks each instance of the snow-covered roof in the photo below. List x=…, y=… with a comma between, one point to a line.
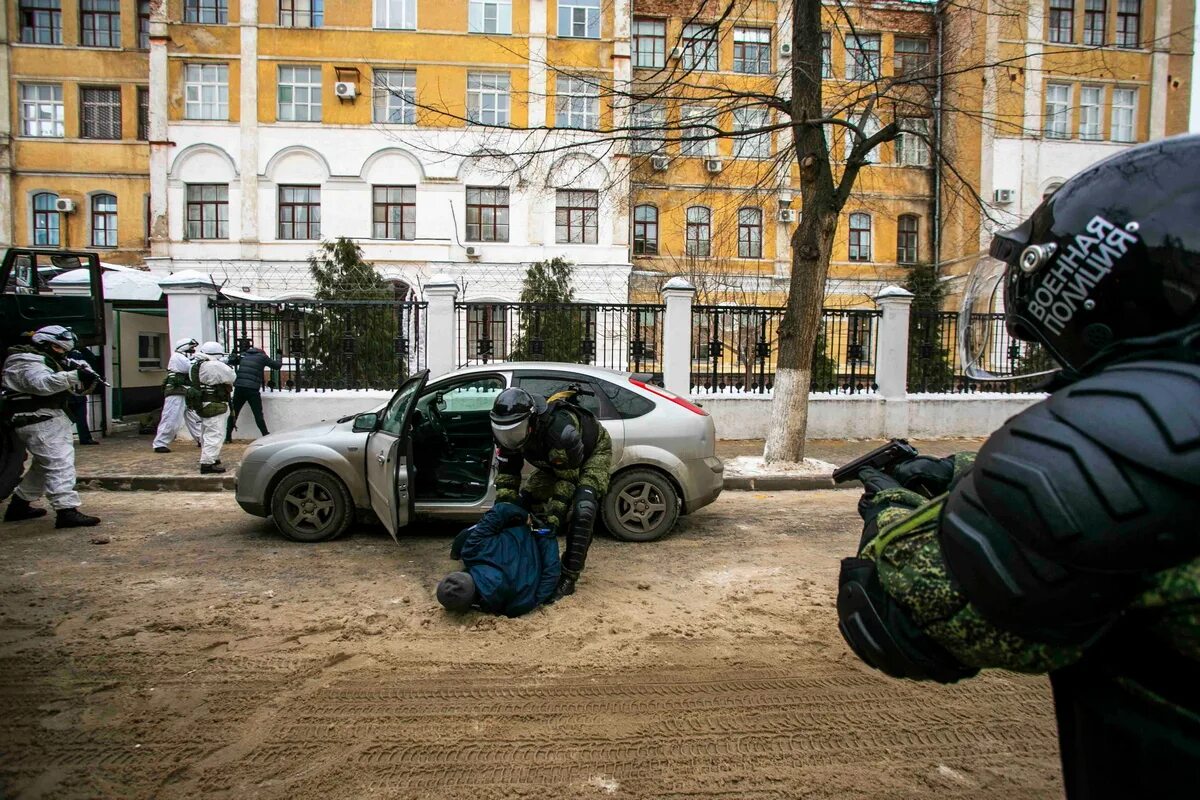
x=120, y=283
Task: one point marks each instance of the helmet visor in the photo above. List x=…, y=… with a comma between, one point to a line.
x=986, y=348
x=512, y=435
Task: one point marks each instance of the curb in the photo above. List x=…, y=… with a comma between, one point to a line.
x=780, y=483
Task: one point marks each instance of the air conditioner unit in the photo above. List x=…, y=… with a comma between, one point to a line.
x=345, y=90
x=1002, y=195
x=676, y=52
x=64, y=205
x=787, y=215
x=473, y=252
x=660, y=163
x=714, y=165
x=785, y=49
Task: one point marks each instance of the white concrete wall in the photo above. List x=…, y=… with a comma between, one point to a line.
x=285, y=411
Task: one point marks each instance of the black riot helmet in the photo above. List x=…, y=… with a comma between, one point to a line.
x=1113, y=255
x=514, y=416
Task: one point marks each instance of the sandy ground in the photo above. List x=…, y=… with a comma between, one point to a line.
x=200, y=654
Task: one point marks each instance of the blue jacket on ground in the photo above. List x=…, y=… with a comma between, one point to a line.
x=515, y=569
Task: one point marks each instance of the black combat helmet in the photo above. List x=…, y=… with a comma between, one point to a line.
x=512, y=416
x=1113, y=255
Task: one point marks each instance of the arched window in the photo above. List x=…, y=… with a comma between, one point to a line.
x=45, y=219
x=907, y=237
x=749, y=233
x=645, y=231
x=699, y=232
x=860, y=237
x=104, y=220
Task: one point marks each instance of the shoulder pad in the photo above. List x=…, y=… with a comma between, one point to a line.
x=565, y=442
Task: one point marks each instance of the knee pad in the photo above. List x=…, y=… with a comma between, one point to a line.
x=585, y=505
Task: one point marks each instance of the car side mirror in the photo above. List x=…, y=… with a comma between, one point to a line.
x=365, y=423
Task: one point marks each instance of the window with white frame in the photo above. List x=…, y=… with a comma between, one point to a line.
x=912, y=146
x=696, y=132
x=700, y=48
x=752, y=50
x=489, y=16
x=860, y=237
x=649, y=43
x=862, y=57
x=395, y=96
x=870, y=128
x=151, y=347
x=698, y=232
x=100, y=23
x=1091, y=103
x=576, y=216
x=206, y=12
x=205, y=91
x=104, y=220
x=40, y=21
x=755, y=145
x=579, y=19
x=648, y=123
x=42, y=110
x=487, y=98
x=826, y=55
x=577, y=103
x=45, y=219
x=1058, y=110
x=1124, y=115
x=299, y=94
x=750, y=233
x=401, y=14
x=301, y=13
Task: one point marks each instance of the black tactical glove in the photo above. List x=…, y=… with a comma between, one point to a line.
x=926, y=475
x=87, y=380
x=882, y=492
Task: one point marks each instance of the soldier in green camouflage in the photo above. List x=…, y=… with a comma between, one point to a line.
x=572, y=455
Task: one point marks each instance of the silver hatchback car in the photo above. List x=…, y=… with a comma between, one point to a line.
x=428, y=453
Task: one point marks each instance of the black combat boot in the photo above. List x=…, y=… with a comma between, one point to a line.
x=19, y=509
x=566, y=587
x=73, y=518
x=209, y=469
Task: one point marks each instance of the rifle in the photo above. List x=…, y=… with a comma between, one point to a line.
x=85, y=367
x=882, y=458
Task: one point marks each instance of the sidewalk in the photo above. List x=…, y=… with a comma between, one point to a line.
x=127, y=462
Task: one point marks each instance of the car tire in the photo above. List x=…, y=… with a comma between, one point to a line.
x=641, y=505
x=311, y=505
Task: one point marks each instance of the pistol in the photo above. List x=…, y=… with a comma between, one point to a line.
x=881, y=458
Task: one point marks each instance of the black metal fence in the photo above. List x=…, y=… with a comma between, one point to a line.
x=935, y=364
x=736, y=348
x=619, y=336
x=330, y=344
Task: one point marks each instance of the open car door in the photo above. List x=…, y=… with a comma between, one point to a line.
x=389, y=478
x=32, y=297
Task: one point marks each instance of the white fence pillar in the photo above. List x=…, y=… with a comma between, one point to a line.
x=678, y=294
x=188, y=313
x=891, y=367
x=441, y=332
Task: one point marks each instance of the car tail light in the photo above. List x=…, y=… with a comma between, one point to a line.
x=674, y=398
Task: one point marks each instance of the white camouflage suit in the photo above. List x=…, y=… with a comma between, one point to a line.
x=175, y=411
x=50, y=443
x=213, y=372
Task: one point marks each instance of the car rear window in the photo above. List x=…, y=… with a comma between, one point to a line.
x=628, y=404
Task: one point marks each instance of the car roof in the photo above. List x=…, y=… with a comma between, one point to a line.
x=548, y=366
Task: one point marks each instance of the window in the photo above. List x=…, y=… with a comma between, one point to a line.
x=579, y=19
x=143, y=24
x=101, y=117
x=300, y=94
x=577, y=103
x=698, y=241
x=104, y=220
x=487, y=333
x=649, y=121
x=649, y=43
x=395, y=98
x=860, y=237
x=752, y=50
x=400, y=14
x=757, y=145
x=206, y=12
x=489, y=16
x=150, y=350
x=100, y=23
x=870, y=128
x=583, y=326
x=826, y=55
x=645, y=231
x=41, y=21
x=912, y=148
x=1124, y=112
x=906, y=239
x=299, y=212
x=696, y=134
x=1058, y=102
x=862, y=57
x=487, y=98
x=207, y=211
x=1129, y=23
x=487, y=214
x=1062, y=21
x=1094, y=12
x=41, y=110
x=700, y=48
x=394, y=212
x=205, y=91
x=749, y=233
x=301, y=13
x=576, y=216
x=45, y=219
x=143, y=98
x=858, y=337
x=1091, y=100
x=912, y=58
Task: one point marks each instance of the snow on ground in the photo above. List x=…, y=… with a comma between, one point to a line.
x=756, y=467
